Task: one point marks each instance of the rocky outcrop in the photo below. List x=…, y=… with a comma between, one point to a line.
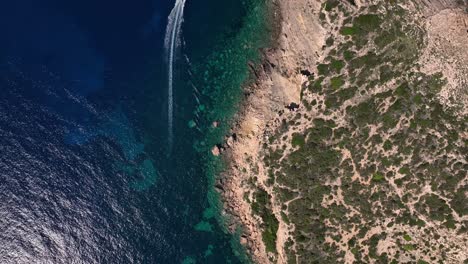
x=278, y=84
x=446, y=52
x=431, y=7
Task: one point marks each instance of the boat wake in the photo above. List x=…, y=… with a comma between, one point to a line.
x=171, y=45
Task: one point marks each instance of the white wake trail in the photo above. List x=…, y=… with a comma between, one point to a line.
x=171, y=45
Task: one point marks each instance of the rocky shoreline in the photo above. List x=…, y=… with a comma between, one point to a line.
x=277, y=85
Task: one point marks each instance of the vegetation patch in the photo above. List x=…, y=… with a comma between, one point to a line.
x=298, y=140
x=378, y=177
x=336, y=82
x=349, y=31
x=379, y=151
x=262, y=207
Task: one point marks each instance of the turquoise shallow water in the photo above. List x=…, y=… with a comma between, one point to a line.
x=86, y=173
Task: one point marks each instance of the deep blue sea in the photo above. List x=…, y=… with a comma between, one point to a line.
x=86, y=171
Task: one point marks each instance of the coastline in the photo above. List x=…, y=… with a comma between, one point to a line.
x=279, y=81
x=276, y=87
x=220, y=95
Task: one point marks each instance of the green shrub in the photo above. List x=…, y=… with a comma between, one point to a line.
x=378, y=177
x=319, y=133
x=262, y=207
x=348, y=54
x=269, y=233
x=323, y=69
x=370, y=60
x=330, y=4
x=337, y=65
x=348, y=31
x=387, y=145
x=403, y=90
x=347, y=93
x=386, y=73
x=417, y=99
x=385, y=38
x=316, y=86
x=408, y=247
x=298, y=140
x=438, y=209
x=363, y=113
x=367, y=22
x=336, y=82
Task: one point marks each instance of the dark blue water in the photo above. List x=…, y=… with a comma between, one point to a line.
x=85, y=173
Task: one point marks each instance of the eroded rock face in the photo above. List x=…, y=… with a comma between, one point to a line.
x=433, y=6
x=446, y=52
x=279, y=83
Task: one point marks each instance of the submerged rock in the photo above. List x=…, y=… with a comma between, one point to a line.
x=192, y=124
x=215, y=151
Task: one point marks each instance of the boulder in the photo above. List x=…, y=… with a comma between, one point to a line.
x=215, y=151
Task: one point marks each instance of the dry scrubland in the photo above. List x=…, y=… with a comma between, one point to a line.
x=369, y=163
